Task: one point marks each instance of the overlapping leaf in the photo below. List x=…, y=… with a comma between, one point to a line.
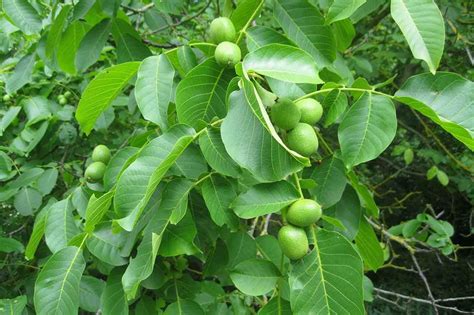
x=259, y=36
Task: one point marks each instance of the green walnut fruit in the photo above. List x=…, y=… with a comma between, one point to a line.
x=293, y=242
x=95, y=171
x=222, y=30
x=101, y=154
x=303, y=139
x=227, y=54
x=62, y=100
x=67, y=94
x=304, y=212
x=311, y=110
x=6, y=98
x=285, y=114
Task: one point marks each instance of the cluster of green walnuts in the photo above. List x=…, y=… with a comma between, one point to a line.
x=292, y=236
x=100, y=158
x=222, y=32
x=298, y=118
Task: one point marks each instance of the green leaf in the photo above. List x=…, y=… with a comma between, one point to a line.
x=13, y=306
x=27, y=200
x=37, y=233
x=101, y=91
x=269, y=248
x=304, y=25
x=8, y=118
x=255, y=276
x=138, y=182
x=330, y=178
x=96, y=209
x=113, y=300
x=60, y=226
x=256, y=146
x=368, y=246
x=10, y=245
x=91, y=45
x=367, y=129
x=264, y=199
x=21, y=75
x=128, y=42
x=47, y=181
x=422, y=25
x=187, y=59
x=176, y=200
x=332, y=273
x=446, y=98
x=69, y=44
x=54, y=35
x=179, y=239
x=245, y=12
x=367, y=8
x=89, y=295
x=184, y=307
x=116, y=165
x=191, y=164
x=259, y=36
x=349, y=212
x=344, y=33
x=365, y=195
x=335, y=104
x=23, y=15
x=141, y=266
x=153, y=89
x=240, y=247
x=106, y=245
x=276, y=306
x=57, y=285
x=218, y=193
x=342, y=9
x=215, y=154
x=282, y=62
x=200, y=96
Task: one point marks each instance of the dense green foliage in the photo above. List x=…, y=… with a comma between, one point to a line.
x=236, y=157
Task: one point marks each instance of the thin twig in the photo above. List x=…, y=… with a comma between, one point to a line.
x=425, y=281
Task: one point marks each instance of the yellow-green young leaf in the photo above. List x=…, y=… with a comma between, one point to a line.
x=200, y=96
x=113, y=300
x=255, y=276
x=259, y=36
x=445, y=98
x=332, y=272
x=262, y=199
x=91, y=45
x=422, y=25
x=153, y=89
x=101, y=91
x=342, y=9
x=304, y=25
x=37, y=233
x=57, y=285
x=368, y=246
x=23, y=15
x=139, y=181
x=54, y=35
x=256, y=146
x=282, y=62
x=442, y=178
x=367, y=129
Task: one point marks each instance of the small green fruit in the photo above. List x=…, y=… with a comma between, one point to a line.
x=285, y=114
x=222, y=30
x=293, y=242
x=227, y=54
x=101, y=154
x=67, y=94
x=303, y=139
x=95, y=171
x=311, y=110
x=62, y=100
x=304, y=212
x=6, y=98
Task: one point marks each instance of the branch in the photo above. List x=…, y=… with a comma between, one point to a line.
x=425, y=281
x=410, y=298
